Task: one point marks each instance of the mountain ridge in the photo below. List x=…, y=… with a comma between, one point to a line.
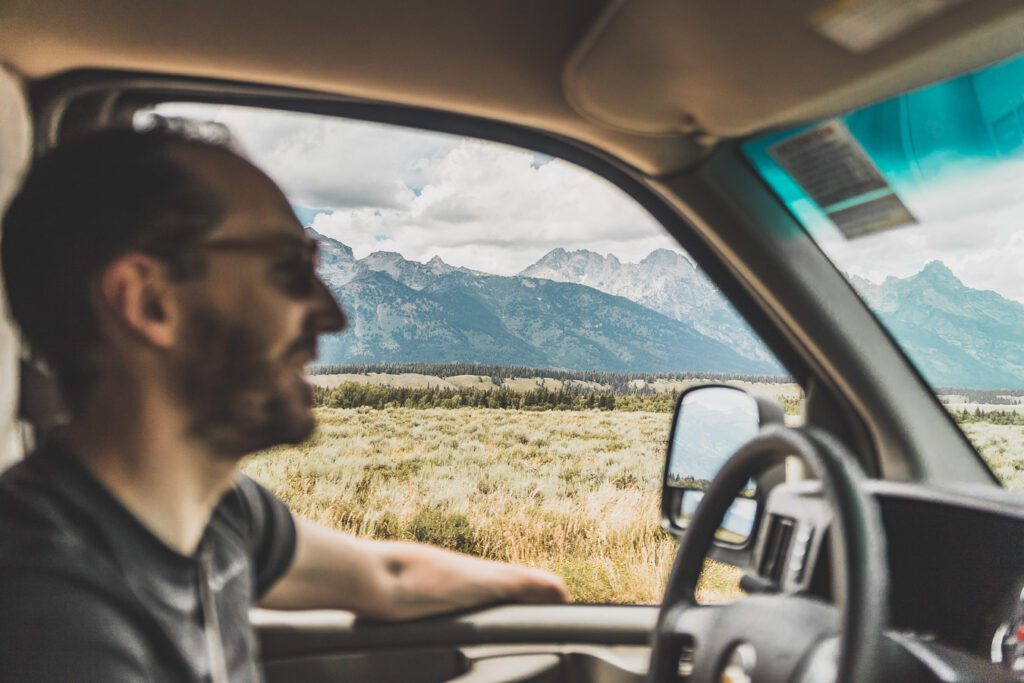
x=956, y=335
x=580, y=310
x=403, y=311
x=665, y=281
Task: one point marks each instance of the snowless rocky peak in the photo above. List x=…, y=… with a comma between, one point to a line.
x=382, y=260
x=337, y=263
x=581, y=266
x=665, y=280
x=331, y=247
x=412, y=274
x=645, y=282
x=666, y=258
x=438, y=266
x=606, y=273
x=938, y=273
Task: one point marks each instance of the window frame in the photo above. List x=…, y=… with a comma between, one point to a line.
x=69, y=103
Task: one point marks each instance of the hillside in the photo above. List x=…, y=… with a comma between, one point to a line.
x=403, y=311
x=665, y=281
x=579, y=310
x=958, y=336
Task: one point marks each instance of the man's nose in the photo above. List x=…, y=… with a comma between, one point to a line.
x=328, y=316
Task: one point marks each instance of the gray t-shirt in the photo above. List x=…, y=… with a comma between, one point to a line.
x=87, y=593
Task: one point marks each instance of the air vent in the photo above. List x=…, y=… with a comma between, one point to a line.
x=773, y=557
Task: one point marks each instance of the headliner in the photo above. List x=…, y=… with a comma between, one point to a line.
x=653, y=82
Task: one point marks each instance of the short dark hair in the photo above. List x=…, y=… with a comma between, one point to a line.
x=82, y=205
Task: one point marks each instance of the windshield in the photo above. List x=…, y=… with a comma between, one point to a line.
x=919, y=201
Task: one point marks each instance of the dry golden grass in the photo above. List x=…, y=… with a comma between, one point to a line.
x=411, y=380
x=573, y=492
x=1002, y=447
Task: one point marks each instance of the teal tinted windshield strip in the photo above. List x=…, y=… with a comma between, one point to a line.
x=959, y=131
x=810, y=215
x=874, y=195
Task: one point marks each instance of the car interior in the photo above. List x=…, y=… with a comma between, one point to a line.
x=893, y=554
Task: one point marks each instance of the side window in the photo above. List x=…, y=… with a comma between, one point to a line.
x=519, y=330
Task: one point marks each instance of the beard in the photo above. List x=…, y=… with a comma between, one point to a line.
x=240, y=400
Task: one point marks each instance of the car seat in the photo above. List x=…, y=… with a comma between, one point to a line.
x=15, y=157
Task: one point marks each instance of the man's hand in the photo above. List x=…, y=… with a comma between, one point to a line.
x=539, y=587
x=393, y=581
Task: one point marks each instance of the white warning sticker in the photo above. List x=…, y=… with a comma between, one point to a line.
x=861, y=25
x=837, y=174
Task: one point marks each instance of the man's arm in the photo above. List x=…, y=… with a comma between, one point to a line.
x=392, y=581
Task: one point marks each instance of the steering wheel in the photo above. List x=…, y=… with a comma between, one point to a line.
x=783, y=636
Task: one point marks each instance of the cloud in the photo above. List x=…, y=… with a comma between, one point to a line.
x=323, y=162
x=490, y=207
x=972, y=223
x=496, y=208
x=473, y=203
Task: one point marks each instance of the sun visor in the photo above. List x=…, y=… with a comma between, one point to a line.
x=729, y=68
x=15, y=157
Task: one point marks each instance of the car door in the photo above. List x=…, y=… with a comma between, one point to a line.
x=505, y=643
x=502, y=390
x=824, y=346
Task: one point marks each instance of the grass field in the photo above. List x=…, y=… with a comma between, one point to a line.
x=1002, y=447
x=573, y=492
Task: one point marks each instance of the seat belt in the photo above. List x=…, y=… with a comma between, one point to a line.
x=211, y=623
x=40, y=403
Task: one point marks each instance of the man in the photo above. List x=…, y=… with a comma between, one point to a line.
x=169, y=287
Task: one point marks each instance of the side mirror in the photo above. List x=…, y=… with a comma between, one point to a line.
x=710, y=424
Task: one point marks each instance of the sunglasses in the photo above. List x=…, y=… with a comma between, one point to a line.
x=297, y=258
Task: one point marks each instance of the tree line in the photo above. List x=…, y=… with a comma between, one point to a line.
x=619, y=382
x=996, y=417
x=989, y=396
x=359, y=394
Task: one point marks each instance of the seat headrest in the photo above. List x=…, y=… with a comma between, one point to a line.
x=15, y=158
x=15, y=135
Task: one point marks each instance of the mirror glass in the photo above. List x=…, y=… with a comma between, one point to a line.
x=738, y=523
x=712, y=423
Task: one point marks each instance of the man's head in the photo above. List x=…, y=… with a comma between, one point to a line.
x=154, y=259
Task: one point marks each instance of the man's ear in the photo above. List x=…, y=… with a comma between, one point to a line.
x=135, y=291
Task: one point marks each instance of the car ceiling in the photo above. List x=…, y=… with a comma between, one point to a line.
x=653, y=82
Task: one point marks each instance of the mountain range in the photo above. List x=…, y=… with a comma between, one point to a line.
x=665, y=281
x=405, y=311
x=579, y=310
x=957, y=336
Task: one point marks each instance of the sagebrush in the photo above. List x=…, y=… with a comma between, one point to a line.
x=576, y=492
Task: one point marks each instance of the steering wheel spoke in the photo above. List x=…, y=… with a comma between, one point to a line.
x=783, y=636
x=771, y=634
x=689, y=621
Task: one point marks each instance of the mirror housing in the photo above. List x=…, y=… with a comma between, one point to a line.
x=711, y=422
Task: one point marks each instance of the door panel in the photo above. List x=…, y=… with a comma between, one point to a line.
x=522, y=643
x=499, y=664
x=414, y=666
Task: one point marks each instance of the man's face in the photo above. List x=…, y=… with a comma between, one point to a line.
x=250, y=322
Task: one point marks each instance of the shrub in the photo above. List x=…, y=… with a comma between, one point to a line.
x=453, y=531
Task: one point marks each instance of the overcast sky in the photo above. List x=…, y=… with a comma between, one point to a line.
x=477, y=204
x=498, y=209
x=972, y=220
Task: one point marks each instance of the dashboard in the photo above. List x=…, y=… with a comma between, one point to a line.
x=956, y=562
